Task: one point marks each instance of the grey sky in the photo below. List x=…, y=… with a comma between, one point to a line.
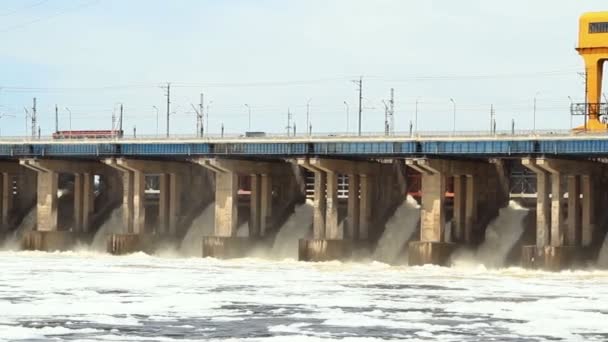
x=277, y=54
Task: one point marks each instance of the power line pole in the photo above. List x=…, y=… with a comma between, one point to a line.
x=34, y=129
x=392, y=112
x=120, y=120
x=492, y=120
x=168, y=94
x=202, y=115
x=359, y=83
x=288, y=128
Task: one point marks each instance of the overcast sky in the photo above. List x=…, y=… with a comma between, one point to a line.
x=90, y=55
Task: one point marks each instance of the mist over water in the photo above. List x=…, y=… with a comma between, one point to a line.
x=202, y=225
x=501, y=235
x=398, y=231
x=296, y=227
x=113, y=225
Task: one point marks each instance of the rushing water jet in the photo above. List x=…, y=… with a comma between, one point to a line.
x=296, y=227
x=399, y=230
x=201, y=226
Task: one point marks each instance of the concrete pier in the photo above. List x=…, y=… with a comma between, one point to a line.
x=263, y=176
x=50, y=233
x=138, y=234
x=470, y=185
x=564, y=226
x=331, y=240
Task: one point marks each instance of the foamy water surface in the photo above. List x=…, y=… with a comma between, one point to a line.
x=87, y=296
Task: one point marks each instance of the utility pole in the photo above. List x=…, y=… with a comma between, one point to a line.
x=308, y=112
x=392, y=112
x=202, y=115
x=168, y=95
x=359, y=83
x=56, y=119
x=34, y=129
x=288, y=128
x=492, y=122
x=386, y=111
x=120, y=121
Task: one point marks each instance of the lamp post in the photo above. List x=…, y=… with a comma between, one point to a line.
x=347, y=115
x=454, y=118
x=308, y=113
x=207, y=119
x=249, y=110
x=156, y=119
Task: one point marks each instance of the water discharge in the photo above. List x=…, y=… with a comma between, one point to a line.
x=296, y=227
x=201, y=226
x=13, y=241
x=114, y=224
x=398, y=231
x=501, y=235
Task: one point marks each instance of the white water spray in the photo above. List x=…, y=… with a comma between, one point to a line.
x=296, y=227
x=501, y=235
x=13, y=241
x=399, y=230
x=114, y=224
x=201, y=226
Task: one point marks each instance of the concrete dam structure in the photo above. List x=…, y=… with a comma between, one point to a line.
x=355, y=184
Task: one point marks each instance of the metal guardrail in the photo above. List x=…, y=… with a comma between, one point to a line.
x=365, y=136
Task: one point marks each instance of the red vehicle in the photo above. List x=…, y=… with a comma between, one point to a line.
x=90, y=134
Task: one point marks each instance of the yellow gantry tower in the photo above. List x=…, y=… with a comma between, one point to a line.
x=593, y=47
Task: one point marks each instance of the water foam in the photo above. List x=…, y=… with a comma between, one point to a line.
x=399, y=230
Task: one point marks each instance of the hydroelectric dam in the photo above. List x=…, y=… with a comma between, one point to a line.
x=158, y=186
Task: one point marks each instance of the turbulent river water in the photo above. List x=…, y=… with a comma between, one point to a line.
x=87, y=296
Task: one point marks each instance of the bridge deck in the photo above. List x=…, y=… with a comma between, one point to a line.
x=497, y=145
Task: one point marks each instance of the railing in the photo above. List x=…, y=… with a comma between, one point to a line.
x=365, y=136
x=600, y=109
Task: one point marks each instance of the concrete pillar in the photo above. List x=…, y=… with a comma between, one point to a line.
x=542, y=209
x=557, y=210
x=174, y=202
x=470, y=207
x=432, y=214
x=572, y=235
x=588, y=210
x=163, y=203
x=226, y=186
x=265, y=203
x=6, y=198
x=458, y=221
x=127, y=200
x=139, y=208
x=255, y=205
x=353, y=215
x=332, y=229
x=78, y=202
x=47, y=201
x=365, y=205
x=319, y=205
x=88, y=200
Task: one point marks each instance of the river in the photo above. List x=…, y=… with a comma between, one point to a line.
x=88, y=296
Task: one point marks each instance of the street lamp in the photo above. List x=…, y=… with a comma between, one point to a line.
x=208, y=128
x=347, y=115
x=156, y=119
x=70, y=118
x=534, y=114
x=454, y=123
x=308, y=113
x=249, y=110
